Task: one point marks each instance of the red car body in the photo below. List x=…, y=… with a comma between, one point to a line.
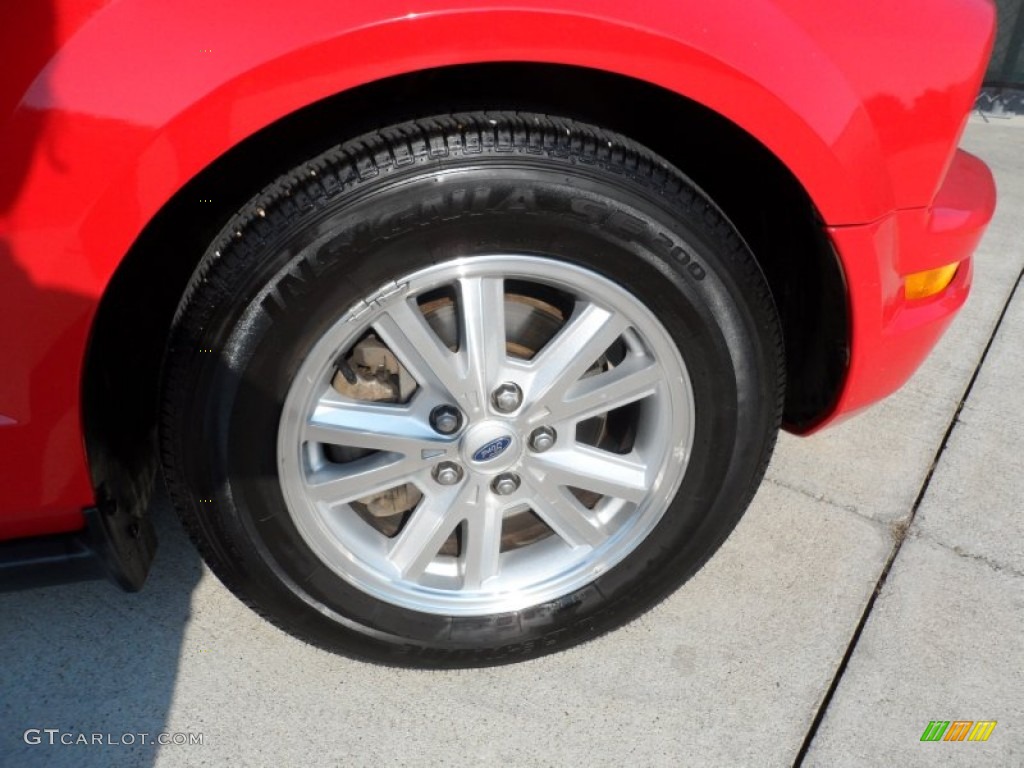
x=108, y=109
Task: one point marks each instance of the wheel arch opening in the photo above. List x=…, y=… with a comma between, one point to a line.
x=756, y=191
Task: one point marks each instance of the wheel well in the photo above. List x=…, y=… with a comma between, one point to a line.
x=762, y=198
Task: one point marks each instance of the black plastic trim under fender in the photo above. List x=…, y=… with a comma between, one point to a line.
x=118, y=546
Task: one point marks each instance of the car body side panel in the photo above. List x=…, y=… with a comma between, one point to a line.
x=133, y=98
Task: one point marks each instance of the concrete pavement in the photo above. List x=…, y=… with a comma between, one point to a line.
x=734, y=669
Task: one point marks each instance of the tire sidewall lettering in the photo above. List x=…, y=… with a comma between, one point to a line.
x=314, y=262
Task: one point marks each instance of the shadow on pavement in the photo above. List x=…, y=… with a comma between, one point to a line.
x=87, y=658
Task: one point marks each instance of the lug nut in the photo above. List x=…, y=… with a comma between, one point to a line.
x=446, y=419
x=505, y=483
x=542, y=438
x=507, y=397
x=447, y=473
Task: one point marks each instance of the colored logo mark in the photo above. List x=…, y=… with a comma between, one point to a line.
x=958, y=730
x=493, y=449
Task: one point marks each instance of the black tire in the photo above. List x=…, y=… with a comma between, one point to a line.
x=329, y=233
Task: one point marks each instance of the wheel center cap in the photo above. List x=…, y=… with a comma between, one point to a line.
x=490, y=447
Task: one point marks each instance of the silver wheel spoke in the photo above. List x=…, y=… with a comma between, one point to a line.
x=402, y=429
x=375, y=474
x=566, y=516
x=591, y=469
x=482, y=545
x=634, y=379
x=429, y=526
x=582, y=340
x=435, y=367
x=482, y=314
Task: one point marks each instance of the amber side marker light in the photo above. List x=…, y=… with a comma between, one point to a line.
x=921, y=285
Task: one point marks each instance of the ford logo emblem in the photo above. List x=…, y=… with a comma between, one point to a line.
x=492, y=449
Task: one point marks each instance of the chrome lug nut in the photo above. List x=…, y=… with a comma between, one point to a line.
x=542, y=438
x=505, y=483
x=447, y=473
x=507, y=397
x=446, y=419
